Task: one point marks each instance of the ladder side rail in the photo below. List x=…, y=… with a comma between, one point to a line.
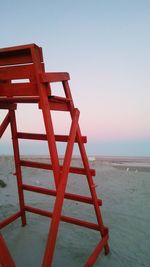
x=50, y=247
x=17, y=164
x=103, y=229
x=50, y=136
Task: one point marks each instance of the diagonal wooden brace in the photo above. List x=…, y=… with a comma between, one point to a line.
x=4, y=124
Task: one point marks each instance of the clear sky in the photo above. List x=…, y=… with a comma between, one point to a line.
x=105, y=46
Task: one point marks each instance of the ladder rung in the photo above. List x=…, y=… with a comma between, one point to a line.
x=58, y=106
x=63, y=218
x=47, y=166
x=10, y=219
x=59, y=103
x=35, y=136
x=53, y=98
x=41, y=190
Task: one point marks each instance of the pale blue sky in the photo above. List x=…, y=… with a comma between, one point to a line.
x=105, y=46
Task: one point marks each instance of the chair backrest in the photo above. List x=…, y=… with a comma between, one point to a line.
x=18, y=72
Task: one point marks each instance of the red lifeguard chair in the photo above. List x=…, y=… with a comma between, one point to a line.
x=26, y=62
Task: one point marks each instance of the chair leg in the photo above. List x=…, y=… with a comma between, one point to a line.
x=17, y=164
x=6, y=259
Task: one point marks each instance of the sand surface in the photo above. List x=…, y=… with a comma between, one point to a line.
x=124, y=187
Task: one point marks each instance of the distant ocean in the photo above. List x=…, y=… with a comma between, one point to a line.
x=116, y=159
x=101, y=158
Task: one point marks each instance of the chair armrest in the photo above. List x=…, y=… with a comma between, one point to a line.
x=48, y=77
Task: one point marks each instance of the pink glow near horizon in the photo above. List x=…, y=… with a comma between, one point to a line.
x=99, y=126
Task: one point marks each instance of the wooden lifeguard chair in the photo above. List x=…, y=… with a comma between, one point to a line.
x=26, y=62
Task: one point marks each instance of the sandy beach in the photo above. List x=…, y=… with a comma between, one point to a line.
x=123, y=184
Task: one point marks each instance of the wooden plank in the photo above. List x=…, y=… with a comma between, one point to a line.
x=58, y=106
x=18, y=54
x=15, y=57
x=18, y=89
x=46, y=166
x=24, y=99
x=17, y=72
x=61, y=99
x=18, y=47
x=70, y=196
x=10, y=106
x=63, y=218
x=54, y=77
x=35, y=136
x=28, y=97
x=4, y=124
x=10, y=219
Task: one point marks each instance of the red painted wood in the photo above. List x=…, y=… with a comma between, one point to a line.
x=41, y=190
x=44, y=103
x=58, y=106
x=43, y=137
x=47, y=166
x=6, y=259
x=58, y=99
x=18, y=54
x=4, y=124
x=18, y=89
x=23, y=99
x=17, y=72
x=17, y=164
x=87, y=168
x=92, y=259
x=51, y=242
x=63, y=218
x=10, y=219
x=6, y=105
x=54, y=77
x=29, y=91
